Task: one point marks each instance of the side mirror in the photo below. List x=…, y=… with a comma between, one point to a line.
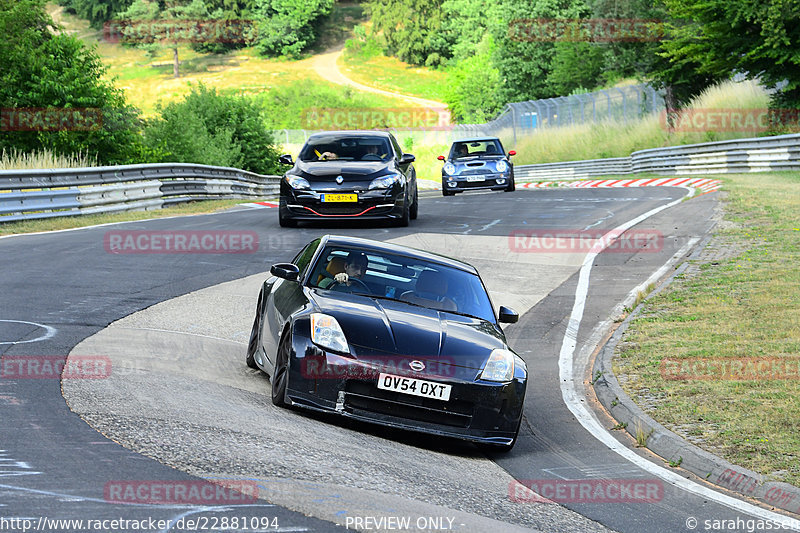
x=508, y=316
x=512, y=152
x=407, y=158
x=286, y=159
x=440, y=158
x=286, y=271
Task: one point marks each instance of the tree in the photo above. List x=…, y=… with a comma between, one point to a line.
x=525, y=49
x=97, y=12
x=757, y=37
x=149, y=25
x=54, y=94
x=213, y=129
x=410, y=29
x=287, y=27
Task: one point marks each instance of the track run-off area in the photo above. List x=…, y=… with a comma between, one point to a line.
x=175, y=404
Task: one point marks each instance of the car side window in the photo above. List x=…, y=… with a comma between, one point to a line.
x=303, y=259
x=397, y=150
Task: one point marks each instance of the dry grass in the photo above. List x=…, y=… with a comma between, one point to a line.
x=746, y=306
x=14, y=160
x=618, y=139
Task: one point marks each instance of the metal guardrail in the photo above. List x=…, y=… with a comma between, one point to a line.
x=32, y=194
x=762, y=154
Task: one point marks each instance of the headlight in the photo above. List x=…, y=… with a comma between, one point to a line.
x=326, y=332
x=501, y=166
x=449, y=168
x=386, y=182
x=500, y=366
x=296, y=182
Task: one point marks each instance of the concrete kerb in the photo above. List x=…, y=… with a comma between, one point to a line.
x=671, y=447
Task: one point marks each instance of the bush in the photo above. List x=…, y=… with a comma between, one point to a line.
x=213, y=129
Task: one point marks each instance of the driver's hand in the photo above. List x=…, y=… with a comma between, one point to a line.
x=341, y=277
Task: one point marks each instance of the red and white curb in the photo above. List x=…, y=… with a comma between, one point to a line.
x=261, y=205
x=702, y=184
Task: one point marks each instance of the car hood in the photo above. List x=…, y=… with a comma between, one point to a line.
x=327, y=171
x=381, y=330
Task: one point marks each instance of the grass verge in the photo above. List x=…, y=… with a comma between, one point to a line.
x=80, y=221
x=744, y=306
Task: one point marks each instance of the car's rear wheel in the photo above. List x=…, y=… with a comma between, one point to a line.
x=280, y=377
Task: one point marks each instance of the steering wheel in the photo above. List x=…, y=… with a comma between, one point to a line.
x=350, y=288
x=371, y=157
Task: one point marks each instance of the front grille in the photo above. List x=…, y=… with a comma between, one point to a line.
x=367, y=397
x=474, y=172
x=325, y=210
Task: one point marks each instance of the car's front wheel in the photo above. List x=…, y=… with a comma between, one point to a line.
x=280, y=377
x=255, y=333
x=284, y=218
x=405, y=216
x=415, y=206
x=512, y=186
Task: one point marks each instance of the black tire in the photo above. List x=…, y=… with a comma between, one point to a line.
x=280, y=377
x=415, y=206
x=445, y=192
x=406, y=216
x=255, y=333
x=512, y=186
x=284, y=219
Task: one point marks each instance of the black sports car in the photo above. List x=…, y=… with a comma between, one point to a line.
x=349, y=174
x=479, y=163
x=390, y=335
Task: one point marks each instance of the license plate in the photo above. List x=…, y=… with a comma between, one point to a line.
x=338, y=197
x=474, y=178
x=413, y=386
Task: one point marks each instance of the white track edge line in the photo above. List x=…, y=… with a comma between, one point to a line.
x=589, y=421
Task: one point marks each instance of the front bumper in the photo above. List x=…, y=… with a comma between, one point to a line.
x=307, y=204
x=477, y=411
x=493, y=181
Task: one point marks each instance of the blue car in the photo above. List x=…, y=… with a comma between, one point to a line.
x=478, y=163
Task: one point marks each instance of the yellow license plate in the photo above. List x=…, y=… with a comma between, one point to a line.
x=338, y=197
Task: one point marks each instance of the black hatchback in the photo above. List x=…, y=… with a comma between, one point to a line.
x=478, y=163
x=349, y=175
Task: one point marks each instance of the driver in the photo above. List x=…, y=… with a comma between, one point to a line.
x=354, y=267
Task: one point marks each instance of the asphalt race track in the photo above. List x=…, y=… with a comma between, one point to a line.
x=179, y=405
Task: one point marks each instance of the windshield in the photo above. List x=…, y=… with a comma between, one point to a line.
x=475, y=148
x=411, y=280
x=349, y=148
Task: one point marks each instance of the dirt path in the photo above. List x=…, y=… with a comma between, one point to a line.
x=326, y=66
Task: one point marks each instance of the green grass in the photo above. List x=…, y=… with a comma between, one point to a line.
x=745, y=306
x=391, y=74
x=80, y=221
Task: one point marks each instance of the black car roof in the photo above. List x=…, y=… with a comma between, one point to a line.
x=378, y=246
x=351, y=133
